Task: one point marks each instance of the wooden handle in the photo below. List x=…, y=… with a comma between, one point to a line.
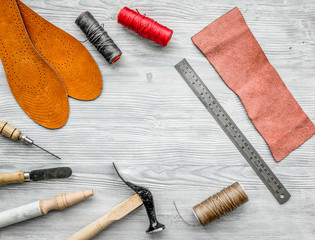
x=63, y=201
x=9, y=131
x=16, y=177
x=41, y=207
x=91, y=230
x=114, y=215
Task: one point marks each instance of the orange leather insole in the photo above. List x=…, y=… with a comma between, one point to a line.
x=234, y=52
x=34, y=84
x=65, y=54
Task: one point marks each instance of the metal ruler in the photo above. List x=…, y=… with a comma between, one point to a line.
x=233, y=132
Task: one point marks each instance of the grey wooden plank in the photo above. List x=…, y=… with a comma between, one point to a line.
x=150, y=123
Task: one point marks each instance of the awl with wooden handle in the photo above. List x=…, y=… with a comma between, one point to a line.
x=117, y=213
x=15, y=134
x=41, y=207
x=35, y=175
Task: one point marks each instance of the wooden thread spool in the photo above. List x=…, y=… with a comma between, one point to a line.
x=220, y=203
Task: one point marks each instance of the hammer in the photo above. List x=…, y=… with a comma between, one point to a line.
x=142, y=196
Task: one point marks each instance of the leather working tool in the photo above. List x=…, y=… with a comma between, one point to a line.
x=233, y=132
x=41, y=207
x=142, y=196
x=15, y=134
x=35, y=175
x=117, y=213
x=34, y=84
x=147, y=199
x=68, y=57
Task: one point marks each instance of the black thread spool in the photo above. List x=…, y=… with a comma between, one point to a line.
x=97, y=35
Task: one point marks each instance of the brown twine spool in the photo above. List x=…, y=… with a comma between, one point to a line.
x=220, y=203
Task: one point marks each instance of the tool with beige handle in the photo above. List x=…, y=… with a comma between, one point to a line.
x=41, y=207
x=15, y=134
x=35, y=175
x=117, y=213
x=143, y=196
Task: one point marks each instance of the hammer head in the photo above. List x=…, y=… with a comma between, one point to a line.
x=147, y=199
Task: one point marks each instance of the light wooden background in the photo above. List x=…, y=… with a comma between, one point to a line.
x=150, y=123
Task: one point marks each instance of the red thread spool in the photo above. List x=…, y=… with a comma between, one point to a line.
x=144, y=26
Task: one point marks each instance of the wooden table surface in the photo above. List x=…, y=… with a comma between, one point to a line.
x=150, y=123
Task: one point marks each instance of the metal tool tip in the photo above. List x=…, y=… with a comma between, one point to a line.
x=116, y=170
x=46, y=151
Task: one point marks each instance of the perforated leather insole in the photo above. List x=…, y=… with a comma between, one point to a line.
x=35, y=85
x=65, y=54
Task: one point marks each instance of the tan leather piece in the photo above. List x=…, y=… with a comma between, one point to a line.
x=232, y=49
x=35, y=85
x=65, y=54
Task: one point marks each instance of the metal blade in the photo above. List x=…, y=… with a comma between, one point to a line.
x=45, y=174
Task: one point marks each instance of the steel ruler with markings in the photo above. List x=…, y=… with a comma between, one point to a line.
x=233, y=132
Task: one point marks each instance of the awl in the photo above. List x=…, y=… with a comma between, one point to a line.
x=15, y=134
x=41, y=207
x=35, y=175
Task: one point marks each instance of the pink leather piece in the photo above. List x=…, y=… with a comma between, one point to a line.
x=231, y=48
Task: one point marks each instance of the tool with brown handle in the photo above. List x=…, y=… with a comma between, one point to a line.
x=35, y=175
x=142, y=196
x=114, y=215
x=41, y=207
x=16, y=177
x=15, y=134
x=148, y=202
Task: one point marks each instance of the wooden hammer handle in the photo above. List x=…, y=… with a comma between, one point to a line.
x=91, y=230
x=114, y=215
x=9, y=131
x=16, y=177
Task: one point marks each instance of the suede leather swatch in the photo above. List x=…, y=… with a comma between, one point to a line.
x=70, y=59
x=35, y=85
x=231, y=48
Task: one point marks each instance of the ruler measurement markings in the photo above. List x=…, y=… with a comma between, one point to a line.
x=232, y=131
x=202, y=88
x=237, y=133
x=263, y=171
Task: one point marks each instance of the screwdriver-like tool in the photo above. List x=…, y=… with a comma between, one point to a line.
x=15, y=134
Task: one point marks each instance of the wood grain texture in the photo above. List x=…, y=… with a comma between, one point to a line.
x=16, y=177
x=151, y=124
x=117, y=213
x=62, y=201
x=9, y=131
